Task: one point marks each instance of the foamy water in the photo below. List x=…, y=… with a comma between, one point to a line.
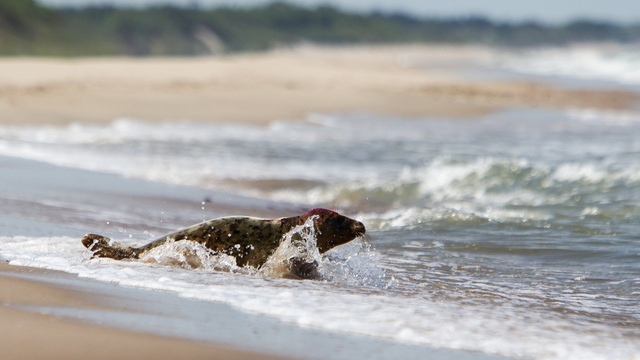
x=363, y=299
x=514, y=234
x=612, y=64
x=481, y=322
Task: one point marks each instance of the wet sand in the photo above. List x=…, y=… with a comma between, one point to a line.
x=258, y=88
x=285, y=84
x=65, y=313
x=32, y=335
x=27, y=329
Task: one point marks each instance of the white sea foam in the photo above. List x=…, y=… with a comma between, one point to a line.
x=616, y=64
x=412, y=317
x=612, y=117
x=407, y=179
x=483, y=226
x=184, y=153
x=326, y=152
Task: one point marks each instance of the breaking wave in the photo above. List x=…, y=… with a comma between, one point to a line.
x=619, y=64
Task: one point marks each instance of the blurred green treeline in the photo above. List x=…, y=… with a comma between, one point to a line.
x=27, y=28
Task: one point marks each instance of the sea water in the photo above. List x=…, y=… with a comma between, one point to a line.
x=515, y=233
x=606, y=64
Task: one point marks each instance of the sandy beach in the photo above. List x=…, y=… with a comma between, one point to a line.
x=33, y=335
x=28, y=329
x=66, y=311
x=283, y=84
x=45, y=317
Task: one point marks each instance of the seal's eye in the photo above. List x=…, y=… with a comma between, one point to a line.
x=337, y=222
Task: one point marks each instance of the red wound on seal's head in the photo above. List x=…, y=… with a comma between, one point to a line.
x=318, y=211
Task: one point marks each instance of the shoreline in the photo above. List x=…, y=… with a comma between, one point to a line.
x=41, y=335
x=406, y=81
x=65, y=314
x=39, y=298
x=250, y=88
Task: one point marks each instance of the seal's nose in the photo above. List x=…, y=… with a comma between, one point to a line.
x=359, y=229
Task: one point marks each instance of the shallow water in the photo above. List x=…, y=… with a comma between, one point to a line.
x=515, y=234
x=607, y=63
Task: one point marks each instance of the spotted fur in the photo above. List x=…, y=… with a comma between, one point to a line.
x=250, y=240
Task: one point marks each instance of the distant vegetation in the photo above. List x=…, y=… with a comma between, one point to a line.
x=27, y=28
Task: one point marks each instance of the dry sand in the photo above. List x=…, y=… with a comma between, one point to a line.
x=28, y=335
x=284, y=84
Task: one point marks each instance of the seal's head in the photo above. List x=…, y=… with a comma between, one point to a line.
x=333, y=229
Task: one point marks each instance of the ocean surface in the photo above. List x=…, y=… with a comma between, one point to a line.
x=607, y=63
x=515, y=233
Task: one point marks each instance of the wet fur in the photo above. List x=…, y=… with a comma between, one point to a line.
x=250, y=240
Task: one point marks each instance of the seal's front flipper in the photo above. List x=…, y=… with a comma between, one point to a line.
x=302, y=268
x=104, y=247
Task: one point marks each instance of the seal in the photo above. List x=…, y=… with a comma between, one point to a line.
x=250, y=240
